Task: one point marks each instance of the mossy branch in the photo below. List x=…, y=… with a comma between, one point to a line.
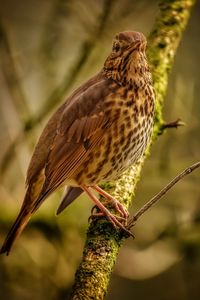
x=103, y=242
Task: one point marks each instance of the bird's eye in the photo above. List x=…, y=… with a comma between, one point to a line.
x=116, y=47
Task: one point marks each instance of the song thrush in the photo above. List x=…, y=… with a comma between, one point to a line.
x=102, y=128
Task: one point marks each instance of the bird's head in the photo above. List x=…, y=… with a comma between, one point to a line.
x=128, y=46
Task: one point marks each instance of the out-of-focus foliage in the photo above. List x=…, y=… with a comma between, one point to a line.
x=47, y=48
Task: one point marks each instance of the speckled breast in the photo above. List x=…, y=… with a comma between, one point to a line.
x=125, y=141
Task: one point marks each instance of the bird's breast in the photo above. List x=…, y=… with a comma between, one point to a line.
x=124, y=141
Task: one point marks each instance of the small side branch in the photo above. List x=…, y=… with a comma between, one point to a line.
x=159, y=195
x=173, y=124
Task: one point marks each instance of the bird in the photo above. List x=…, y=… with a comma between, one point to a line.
x=102, y=128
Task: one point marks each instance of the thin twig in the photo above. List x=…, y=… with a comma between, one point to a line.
x=158, y=196
x=173, y=124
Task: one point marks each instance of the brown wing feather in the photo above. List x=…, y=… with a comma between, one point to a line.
x=81, y=127
x=41, y=152
x=65, y=158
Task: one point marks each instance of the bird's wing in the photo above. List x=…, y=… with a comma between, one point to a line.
x=81, y=127
x=41, y=152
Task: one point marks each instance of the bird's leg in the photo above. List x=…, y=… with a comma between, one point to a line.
x=112, y=218
x=118, y=206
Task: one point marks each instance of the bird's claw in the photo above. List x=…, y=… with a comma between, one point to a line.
x=94, y=208
x=131, y=223
x=101, y=214
x=116, y=221
x=121, y=209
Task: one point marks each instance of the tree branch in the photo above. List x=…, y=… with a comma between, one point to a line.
x=103, y=241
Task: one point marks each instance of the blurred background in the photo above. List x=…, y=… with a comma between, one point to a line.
x=47, y=48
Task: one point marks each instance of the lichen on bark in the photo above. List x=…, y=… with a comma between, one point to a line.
x=103, y=241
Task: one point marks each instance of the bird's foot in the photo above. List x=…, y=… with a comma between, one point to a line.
x=116, y=221
x=100, y=214
x=119, y=207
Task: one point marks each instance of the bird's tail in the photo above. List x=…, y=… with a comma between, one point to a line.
x=28, y=207
x=15, y=230
x=70, y=194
